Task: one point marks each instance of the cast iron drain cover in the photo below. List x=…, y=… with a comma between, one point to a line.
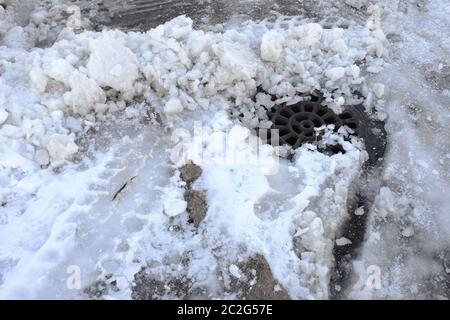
x=297, y=123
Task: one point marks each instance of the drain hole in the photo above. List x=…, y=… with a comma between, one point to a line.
x=297, y=128
x=295, y=108
x=301, y=117
x=307, y=124
x=286, y=113
x=309, y=107
x=291, y=140
x=345, y=116
x=317, y=123
x=322, y=112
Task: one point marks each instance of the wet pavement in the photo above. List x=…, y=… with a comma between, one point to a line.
x=145, y=14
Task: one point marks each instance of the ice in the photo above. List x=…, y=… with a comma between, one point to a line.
x=335, y=73
x=112, y=64
x=61, y=147
x=271, y=46
x=234, y=270
x=89, y=78
x=174, y=203
x=3, y=116
x=343, y=241
x=59, y=69
x=378, y=89
x=85, y=94
x=237, y=61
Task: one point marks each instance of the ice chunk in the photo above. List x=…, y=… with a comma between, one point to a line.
x=42, y=157
x=84, y=95
x=112, y=64
x=339, y=45
x=59, y=70
x=197, y=42
x=61, y=147
x=378, y=89
x=38, y=79
x=335, y=73
x=408, y=232
x=271, y=46
x=343, y=241
x=174, y=207
x=309, y=34
x=179, y=27
x=238, y=60
x=353, y=70
x=235, y=272
x=359, y=211
x=16, y=37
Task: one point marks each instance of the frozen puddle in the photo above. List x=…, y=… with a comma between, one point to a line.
x=130, y=167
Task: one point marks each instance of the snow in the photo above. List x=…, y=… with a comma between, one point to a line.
x=61, y=147
x=235, y=272
x=173, y=202
x=112, y=64
x=359, y=211
x=343, y=241
x=3, y=116
x=90, y=78
x=335, y=73
x=173, y=106
x=88, y=113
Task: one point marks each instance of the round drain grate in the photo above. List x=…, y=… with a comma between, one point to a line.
x=297, y=123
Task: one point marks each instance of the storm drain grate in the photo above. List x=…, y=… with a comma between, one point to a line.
x=297, y=124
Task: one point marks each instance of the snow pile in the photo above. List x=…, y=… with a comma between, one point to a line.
x=290, y=212
x=84, y=76
x=53, y=98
